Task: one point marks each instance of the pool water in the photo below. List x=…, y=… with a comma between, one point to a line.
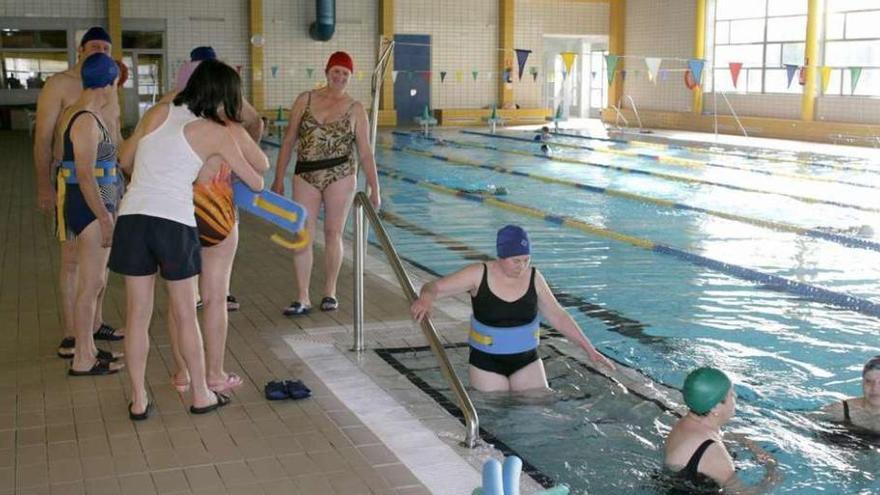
x=662, y=315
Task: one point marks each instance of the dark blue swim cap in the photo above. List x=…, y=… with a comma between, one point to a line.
x=202, y=53
x=95, y=33
x=98, y=71
x=512, y=240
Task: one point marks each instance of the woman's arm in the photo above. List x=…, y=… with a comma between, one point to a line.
x=232, y=154
x=291, y=136
x=365, y=153
x=464, y=280
x=559, y=319
x=249, y=148
x=85, y=136
x=733, y=484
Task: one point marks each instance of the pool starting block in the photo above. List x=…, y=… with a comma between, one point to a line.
x=494, y=119
x=426, y=120
x=277, y=210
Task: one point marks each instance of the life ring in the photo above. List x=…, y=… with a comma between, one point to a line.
x=689, y=80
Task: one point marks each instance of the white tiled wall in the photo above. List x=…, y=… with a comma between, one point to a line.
x=464, y=38
x=848, y=109
x=777, y=106
x=536, y=18
x=290, y=49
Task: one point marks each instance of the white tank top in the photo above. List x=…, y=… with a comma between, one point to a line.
x=165, y=167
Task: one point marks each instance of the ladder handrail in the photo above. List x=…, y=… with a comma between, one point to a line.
x=619, y=117
x=635, y=111
x=363, y=208
x=733, y=112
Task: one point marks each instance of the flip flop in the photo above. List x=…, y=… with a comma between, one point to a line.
x=232, y=303
x=329, y=303
x=100, y=368
x=222, y=400
x=108, y=356
x=232, y=381
x=67, y=343
x=296, y=308
x=106, y=332
x=275, y=391
x=296, y=390
x=142, y=416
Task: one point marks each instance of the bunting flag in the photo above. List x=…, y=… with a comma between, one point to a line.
x=459, y=76
x=521, y=57
x=854, y=74
x=394, y=74
x=735, y=67
x=426, y=75
x=274, y=71
x=653, y=64
x=309, y=72
x=611, y=65
x=360, y=75
x=442, y=75
x=475, y=74
x=664, y=74
x=826, y=77
x=790, y=71
x=534, y=72
x=696, y=67
x=568, y=60
x=238, y=68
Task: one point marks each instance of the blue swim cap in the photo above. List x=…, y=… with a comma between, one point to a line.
x=202, y=53
x=95, y=33
x=512, y=240
x=98, y=71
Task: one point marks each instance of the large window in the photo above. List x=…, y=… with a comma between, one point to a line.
x=762, y=35
x=29, y=57
x=852, y=40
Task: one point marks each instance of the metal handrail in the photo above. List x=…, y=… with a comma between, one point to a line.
x=733, y=112
x=619, y=117
x=635, y=111
x=362, y=206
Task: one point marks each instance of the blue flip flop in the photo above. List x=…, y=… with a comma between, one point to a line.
x=297, y=390
x=275, y=391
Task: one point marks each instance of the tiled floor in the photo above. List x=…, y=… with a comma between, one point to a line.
x=72, y=435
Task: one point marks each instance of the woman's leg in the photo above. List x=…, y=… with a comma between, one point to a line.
x=486, y=381
x=67, y=281
x=337, y=202
x=91, y=260
x=308, y=196
x=182, y=300
x=530, y=377
x=179, y=374
x=214, y=285
x=138, y=310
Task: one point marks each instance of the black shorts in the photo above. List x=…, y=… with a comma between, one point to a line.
x=143, y=244
x=502, y=364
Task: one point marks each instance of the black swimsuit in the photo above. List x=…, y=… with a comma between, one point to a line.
x=493, y=311
x=696, y=481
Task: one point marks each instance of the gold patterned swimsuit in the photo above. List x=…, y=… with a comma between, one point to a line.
x=325, y=150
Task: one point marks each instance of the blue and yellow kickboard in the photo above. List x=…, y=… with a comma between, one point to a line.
x=276, y=209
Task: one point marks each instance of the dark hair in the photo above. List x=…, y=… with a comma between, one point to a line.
x=213, y=84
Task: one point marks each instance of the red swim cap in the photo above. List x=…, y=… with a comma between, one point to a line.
x=341, y=59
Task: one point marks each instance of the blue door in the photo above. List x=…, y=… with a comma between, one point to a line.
x=412, y=90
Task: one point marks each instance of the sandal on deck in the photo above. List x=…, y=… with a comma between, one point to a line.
x=139, y=416
x=296, y=308
x=106, y=332
x=232, y=303
x=232, y=381
x=329, y=303
x=222, y=400
x=66, y=347
x=100, y=368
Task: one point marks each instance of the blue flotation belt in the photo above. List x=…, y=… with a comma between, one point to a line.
x=509, y=340
x=274, y=208
x=104, y=172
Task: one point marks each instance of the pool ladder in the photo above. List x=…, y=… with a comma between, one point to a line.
x=362, y=208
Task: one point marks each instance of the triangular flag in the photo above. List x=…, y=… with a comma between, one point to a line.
x=489, y=75
x=790, y=71
x=664, y=74
x=653, y=64
x=568, y=60
x=238, y=68
x=426, y=75
x=274, y=71
x=696, y=67
x=534, y=72
x=826, y=77
x=735, y=67
x=459, y=76
x=611, y=65
x=442, y=75
x=360, y=75
x=521, y=57
x=854, y=74
x=475, y=74
x=394, y=74
x=309, y=72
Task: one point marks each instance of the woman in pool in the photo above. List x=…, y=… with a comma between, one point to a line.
x=507, y=295
x=861, y=413
x=695, y=451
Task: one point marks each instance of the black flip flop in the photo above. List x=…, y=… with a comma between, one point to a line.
x=142, y=416
x=108, y=333
x=329, y=304
x=296, y=308
x=100, y=368
x=222, y=400
x=67, y=343
x=107, y=356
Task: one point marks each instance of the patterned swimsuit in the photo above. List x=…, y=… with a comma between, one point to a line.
x=325, y=150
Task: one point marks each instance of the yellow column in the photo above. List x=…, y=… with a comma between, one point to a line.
x=505, y=55
x=616, y=28
x=699, y=51
x=808, y=100
x=258, y=85
x=386, y=30
x=114, y=29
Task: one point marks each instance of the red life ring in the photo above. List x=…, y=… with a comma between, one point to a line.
x=689, y=80
x=123, y=73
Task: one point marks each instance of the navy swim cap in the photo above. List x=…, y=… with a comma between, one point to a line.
x=512, y=240
x=95, y=33
x=202, y=53
x=872, y=364
x=98, y=71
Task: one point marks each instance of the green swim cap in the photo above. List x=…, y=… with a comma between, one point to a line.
x=704, y=388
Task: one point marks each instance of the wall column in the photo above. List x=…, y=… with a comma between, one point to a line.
x=386, y=31
x=506, y=24
x=808, y=100
x=258, y=88
x=699, y=52
x=616, y=28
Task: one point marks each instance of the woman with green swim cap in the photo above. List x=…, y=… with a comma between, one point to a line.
x=861, y=412
x=695, y=451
